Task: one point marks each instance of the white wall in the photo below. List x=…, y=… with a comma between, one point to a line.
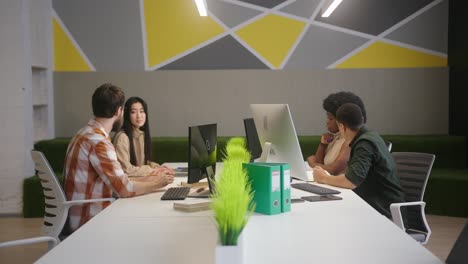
x=41, y=41
x=16, y=100
x=398, y=101
x=15, y=103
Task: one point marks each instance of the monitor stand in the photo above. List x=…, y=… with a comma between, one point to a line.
x=265, y=153
x=207, y=191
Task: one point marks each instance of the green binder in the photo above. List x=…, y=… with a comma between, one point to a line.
x=285, y=187
x=285, y=184
x=266, y=184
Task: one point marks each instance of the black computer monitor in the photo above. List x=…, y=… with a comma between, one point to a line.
x=202, y=152
x=253, y=143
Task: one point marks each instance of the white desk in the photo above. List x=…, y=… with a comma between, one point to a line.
x=147, y=230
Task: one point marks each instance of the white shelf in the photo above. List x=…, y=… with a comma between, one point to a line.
x=40, y=25
x=39, y=86
x=41, y=67
x=40, y=120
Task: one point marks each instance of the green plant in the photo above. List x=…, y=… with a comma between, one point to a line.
x=232, y=202
x=236, y=141
x=237, y=153
x=235, y=150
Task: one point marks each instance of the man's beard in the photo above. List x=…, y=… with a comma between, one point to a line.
x=117, y=125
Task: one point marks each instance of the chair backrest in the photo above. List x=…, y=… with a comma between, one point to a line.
x=413, y=169
x=459, y=252
x=55, y=214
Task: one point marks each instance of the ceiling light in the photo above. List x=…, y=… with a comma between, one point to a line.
x=201, y=5
x=331, y=8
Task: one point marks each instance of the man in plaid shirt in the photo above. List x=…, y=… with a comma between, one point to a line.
x=91, y=167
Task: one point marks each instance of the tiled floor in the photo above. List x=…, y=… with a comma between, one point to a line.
x=12, y=228
x=445, y=230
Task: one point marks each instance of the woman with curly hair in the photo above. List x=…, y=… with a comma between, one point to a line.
x=333, y=151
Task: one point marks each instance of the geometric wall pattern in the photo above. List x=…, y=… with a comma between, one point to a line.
x=108, y=31
x=173, y=28
x=122, y=35
x=383, y=55
x=67, y=56
x=272, y=36
x=430, y=28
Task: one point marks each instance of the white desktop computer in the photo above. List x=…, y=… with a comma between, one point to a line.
x=278, y=138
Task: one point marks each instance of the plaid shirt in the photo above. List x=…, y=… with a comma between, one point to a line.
x=92, y=171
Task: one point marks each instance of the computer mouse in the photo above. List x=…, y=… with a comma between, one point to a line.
x=199, y=190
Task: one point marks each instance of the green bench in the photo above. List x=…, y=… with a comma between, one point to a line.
x=445, y=192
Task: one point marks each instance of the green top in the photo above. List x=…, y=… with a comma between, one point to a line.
x=372, y=169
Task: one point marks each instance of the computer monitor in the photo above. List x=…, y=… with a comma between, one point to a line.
x=278, y=138
x=202, y=152
x=253, y=143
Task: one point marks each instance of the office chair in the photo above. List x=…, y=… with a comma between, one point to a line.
x=52, y=242
x=414, y=170
x=56, y=205
x=459, y=252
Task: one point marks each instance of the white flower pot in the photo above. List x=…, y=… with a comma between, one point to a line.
x=230, y=254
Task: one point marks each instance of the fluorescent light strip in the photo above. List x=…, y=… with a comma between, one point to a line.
x=331, y=8
x=201, y=5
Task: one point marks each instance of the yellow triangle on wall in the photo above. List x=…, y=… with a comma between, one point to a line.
x=66, y=54
x=272, y=36
x=175, y=26
x=384, y=55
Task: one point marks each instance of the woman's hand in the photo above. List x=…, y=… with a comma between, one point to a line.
x=326, y=138
x=162, y=170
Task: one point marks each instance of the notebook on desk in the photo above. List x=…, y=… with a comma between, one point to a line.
x=192, y=205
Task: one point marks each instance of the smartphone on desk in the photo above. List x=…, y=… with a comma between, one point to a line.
x=296, y=200
x=321, y=198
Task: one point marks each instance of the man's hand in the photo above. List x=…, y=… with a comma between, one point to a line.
x=162, y=176
x=151, y=183
x=164, y=179
x=320, y=175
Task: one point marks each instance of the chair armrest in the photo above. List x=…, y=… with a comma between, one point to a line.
x=397, y=218
x=395, y=209
x=77, y=202
x=20, y=242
